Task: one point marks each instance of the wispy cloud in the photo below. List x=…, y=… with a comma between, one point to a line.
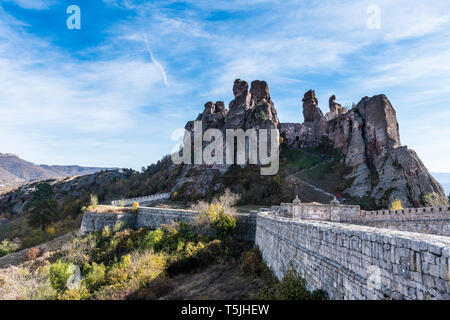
x=118, y=97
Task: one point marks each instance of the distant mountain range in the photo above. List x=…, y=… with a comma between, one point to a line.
x=444, y=179
x=15, y=171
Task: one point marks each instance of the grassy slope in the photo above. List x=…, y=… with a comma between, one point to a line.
x=321, y=167
x=214, y=272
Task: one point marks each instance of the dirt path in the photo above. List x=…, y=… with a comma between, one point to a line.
x=311, y=186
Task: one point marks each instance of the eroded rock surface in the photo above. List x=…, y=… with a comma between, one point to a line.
x=367, y=136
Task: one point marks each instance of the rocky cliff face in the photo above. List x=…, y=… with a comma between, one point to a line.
x=249, y=109
x=368, y=136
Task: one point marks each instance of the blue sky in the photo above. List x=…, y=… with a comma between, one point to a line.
x=112, y=93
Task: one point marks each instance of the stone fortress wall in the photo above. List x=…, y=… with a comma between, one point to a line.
x=148, y=217
x=356, y=262
x=333, y=247
x=145, y=199
x=431, y=220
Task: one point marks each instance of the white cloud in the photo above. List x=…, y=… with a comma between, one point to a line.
x=294, y=46
x=53, y=106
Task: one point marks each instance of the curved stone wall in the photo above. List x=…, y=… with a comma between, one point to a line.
x=356, y=262
x=349, y=261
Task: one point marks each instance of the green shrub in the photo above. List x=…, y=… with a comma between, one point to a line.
x=433, y=199
x=118, y=273
x=152, y=239
x=75, y=294
x=214, y=219
x=319, y=295
x=7, y=247
x=95, y=275
x=59, y=274
x=293, y=287
x=224, y=225
x=252, y=263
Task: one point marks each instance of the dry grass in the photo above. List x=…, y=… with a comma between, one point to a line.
x=223, y=280
x=22, y=284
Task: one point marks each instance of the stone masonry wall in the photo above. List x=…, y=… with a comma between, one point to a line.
x=356, y=262
x=437, y=227
x=431, y=220
x=93, y=221
x=153, y=218
x=348, y=261
x=140, y=200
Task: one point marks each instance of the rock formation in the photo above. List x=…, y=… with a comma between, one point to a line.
x=311, y=110
x=251, y=109
x=248, y=109
x=367, y=135
x=335, y=108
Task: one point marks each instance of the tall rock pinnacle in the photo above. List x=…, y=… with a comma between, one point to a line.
x=311, y=110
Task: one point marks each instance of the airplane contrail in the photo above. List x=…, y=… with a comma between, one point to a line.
x=156, y=62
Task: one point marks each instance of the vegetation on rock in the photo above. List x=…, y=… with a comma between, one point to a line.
x=396, y=204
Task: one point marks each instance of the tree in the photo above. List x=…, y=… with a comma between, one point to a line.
x=433, y=199
x=42, y=208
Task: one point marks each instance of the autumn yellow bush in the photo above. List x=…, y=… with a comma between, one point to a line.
x=396, y=204
x=51, y=231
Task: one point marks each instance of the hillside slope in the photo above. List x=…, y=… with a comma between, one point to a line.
x=15, y=171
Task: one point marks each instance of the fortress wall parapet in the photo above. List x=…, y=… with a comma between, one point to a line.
x=428, y=213
x=432, y=220
x=130, y=201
